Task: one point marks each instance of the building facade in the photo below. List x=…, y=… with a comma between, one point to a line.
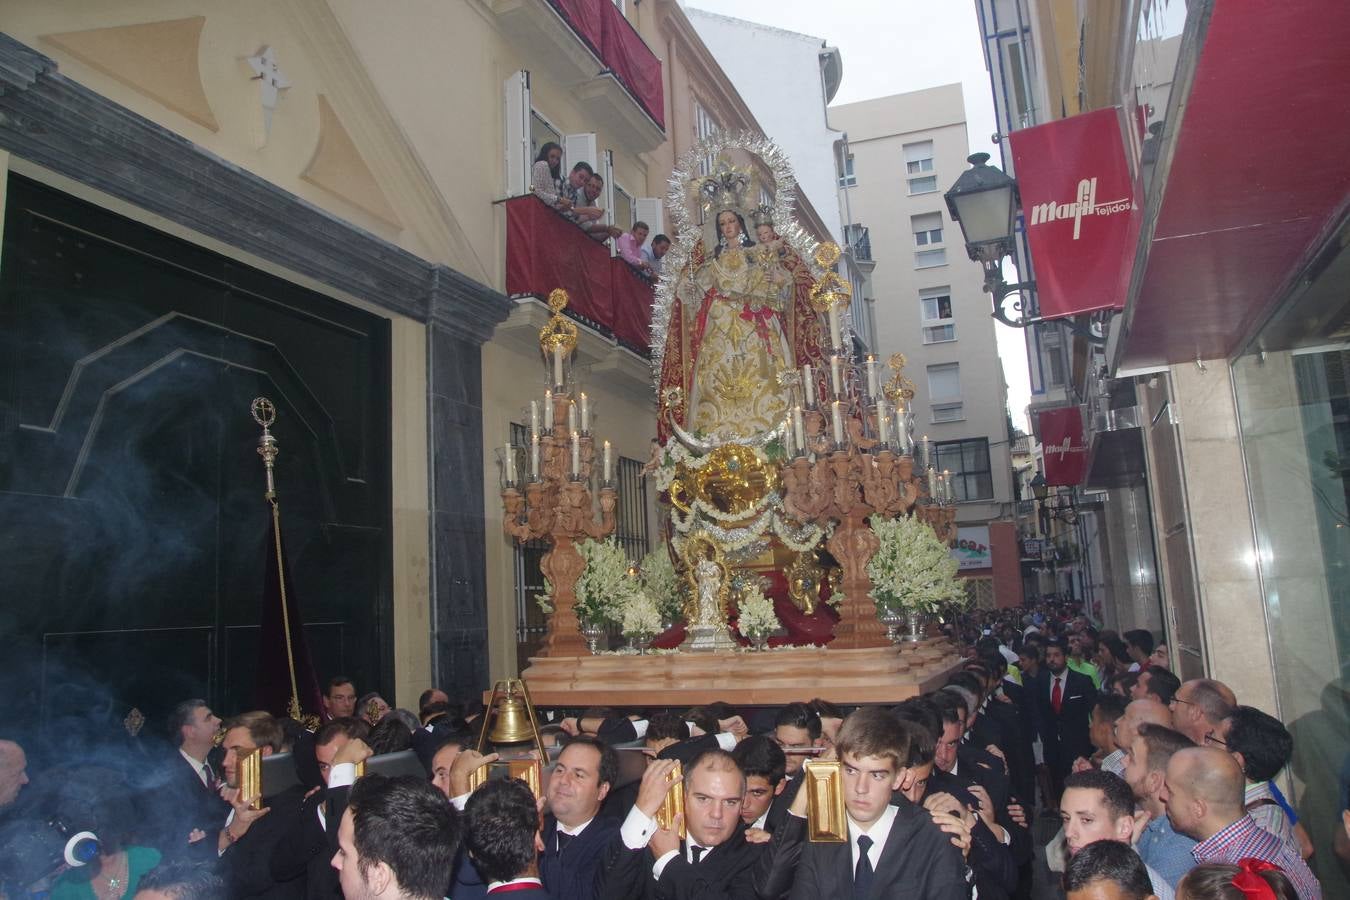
x=1214, y=407
x=903, y=151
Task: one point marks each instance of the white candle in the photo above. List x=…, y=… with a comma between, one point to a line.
x=789, y=448
x=947, y=492
x=924, y=453
x=808, y=387
x=585, y=414
x=572, y=416
x=871, y=376
x=510, y=465
x=883, y=423
x=548, y=411
x=901, y=430
x=799, y=428
x=534, y=458
x=835, y=342
x=836, y=375
x=609, y=463
x=933, y=484
x=576, y=454
x=558, y=365
x=534, y=418
x=837, y=419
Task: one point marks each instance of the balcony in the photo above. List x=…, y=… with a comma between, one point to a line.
x=859, y=241
x=590, y=47
x=545, y=251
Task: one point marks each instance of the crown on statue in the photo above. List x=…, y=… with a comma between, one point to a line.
x=761, y=215
x=726, y=186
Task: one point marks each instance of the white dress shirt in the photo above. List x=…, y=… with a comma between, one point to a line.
x=878, y=831
x=199, y=766
x=341, y=775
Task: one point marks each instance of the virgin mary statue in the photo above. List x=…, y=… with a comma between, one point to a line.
x=739, y=323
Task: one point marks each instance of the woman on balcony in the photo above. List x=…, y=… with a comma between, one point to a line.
x=546, y=177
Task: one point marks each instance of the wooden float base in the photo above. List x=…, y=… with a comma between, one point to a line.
x=742, y=678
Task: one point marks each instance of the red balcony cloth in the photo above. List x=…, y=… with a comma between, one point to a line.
x=546, y=251
x=632, y=305
x=631, y=60
x=586, y=18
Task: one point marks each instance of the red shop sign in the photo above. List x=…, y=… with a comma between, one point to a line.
x=1080, y=215
x=1062, y=445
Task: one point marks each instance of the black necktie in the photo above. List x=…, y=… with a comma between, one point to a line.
x=563, y=840
x=697, y=851
x=862, y=875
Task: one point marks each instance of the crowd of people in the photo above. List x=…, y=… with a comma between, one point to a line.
x=1161, y=788
x=576, y=196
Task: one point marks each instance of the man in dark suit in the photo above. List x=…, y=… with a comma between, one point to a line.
x=894, y=849
x=397, y=840
x=798, y=731
x=306, y=846
x=502, y=833
x=188, y=808
x=764, y=765
x=575, y=835
x=1064, y=700
x=250, y=836
x=713, y=862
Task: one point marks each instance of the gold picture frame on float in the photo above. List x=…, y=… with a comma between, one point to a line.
x=673, y=805
x=250, y=778
x=826, y=820
x=527, y=769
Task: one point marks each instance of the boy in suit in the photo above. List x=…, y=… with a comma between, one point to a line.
x=503, y=839
x=397, y=840
x=895, y=849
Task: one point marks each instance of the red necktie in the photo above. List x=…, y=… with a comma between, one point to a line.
x=1056, y=696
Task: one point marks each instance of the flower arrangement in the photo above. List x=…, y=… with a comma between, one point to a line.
x=756, y=618
x=656, y=573
x=641, y=617
x=912, y=570
x=604, y=585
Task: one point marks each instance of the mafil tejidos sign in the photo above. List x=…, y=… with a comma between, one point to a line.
x=1063, y=449
x=972, y=548
x=1081, y=219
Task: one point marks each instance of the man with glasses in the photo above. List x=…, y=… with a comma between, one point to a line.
x=1199, y=706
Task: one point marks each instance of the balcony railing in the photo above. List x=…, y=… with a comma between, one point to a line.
x=602, y=26
x=544, y=250
x=860, y=241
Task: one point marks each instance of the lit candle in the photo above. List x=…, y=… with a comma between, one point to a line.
x=901, y=430
x=510, y=466
x=609, y=463
x=871, y=376
x=835, y=341
x=548, y=411
x=836, y=375
x=947, y=492
x=558, y=364
x=585, y=413
x=933, y=484
x=534, y=458
x=837, y=419
x=924, y=453
x=576, y=454
x=883, y=423
x=799, y=428
x=808, y=387
x=572, y=416
x=534, y=418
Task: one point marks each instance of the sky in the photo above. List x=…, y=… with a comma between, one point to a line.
x=893, y=46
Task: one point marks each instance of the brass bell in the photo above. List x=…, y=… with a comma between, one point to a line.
x=509, y=717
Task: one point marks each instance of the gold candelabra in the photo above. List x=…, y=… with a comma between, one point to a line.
x=553, y=502
x=842, y=474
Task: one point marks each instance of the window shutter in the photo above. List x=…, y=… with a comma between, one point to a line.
x=580, y=148
x=516, y=91
x=652, y=211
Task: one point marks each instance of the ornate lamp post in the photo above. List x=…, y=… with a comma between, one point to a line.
x=553, y=501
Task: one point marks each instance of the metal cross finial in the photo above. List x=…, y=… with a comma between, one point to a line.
x=265, y=413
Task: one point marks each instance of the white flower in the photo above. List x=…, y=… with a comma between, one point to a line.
x=659, y=581
x=640, y=617
x=912, y=570
x=756, y=617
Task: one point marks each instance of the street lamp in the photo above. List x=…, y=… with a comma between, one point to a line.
x=1039, y=489
x=984, y=202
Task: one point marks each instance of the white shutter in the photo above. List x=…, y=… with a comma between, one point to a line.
x=517, y=165
x=579, y=148
x=608, y=198
x=944, y=382
x=653, y=212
